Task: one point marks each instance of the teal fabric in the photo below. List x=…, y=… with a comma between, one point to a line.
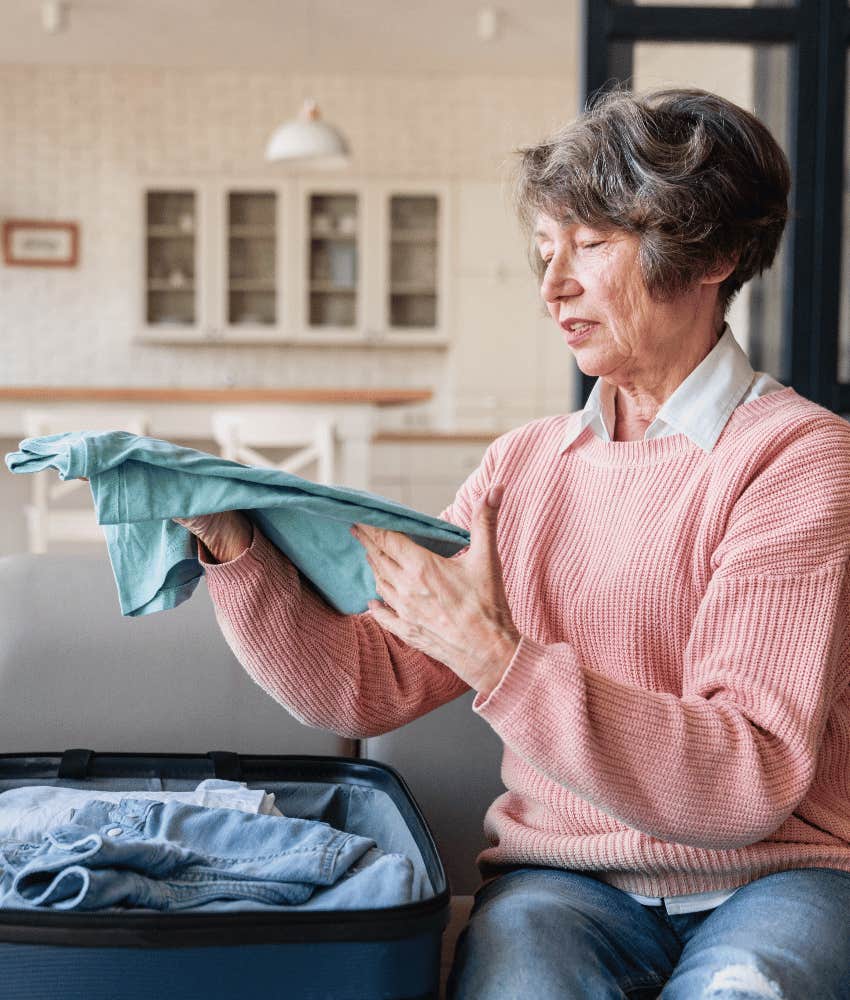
x=139, y=484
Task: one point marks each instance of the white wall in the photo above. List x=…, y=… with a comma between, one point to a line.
x=76, y=142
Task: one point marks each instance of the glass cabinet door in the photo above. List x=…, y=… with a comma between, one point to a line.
x=171, y=254
x=251, y=293
x=333, y=227
x=413, y=244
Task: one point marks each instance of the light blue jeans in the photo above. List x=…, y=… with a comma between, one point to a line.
x=174, y=856
x=549, y=933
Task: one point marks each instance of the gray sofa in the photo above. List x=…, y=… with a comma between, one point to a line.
x=75, y=673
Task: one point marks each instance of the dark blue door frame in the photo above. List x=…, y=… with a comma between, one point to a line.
x=818, y=34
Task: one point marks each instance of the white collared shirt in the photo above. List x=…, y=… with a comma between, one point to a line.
x=699, y=408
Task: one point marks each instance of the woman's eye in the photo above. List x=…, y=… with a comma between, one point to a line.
x=590, y=246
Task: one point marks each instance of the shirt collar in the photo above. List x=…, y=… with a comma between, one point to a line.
x=699, y=408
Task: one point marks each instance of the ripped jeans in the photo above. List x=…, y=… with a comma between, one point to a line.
x=549, y=933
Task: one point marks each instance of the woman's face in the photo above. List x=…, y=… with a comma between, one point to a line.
x=594, y=290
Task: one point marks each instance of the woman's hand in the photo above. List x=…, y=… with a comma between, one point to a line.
x=224, y=536
x=453, y=609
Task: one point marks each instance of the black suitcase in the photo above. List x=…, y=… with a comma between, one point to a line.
x=338, y=955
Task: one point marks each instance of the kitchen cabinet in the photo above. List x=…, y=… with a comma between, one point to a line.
x=415, y=274
x=320, y=262
x=249, y=254
x=213, y=262
x=171, y=258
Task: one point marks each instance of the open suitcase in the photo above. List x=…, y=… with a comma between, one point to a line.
x=121, y=954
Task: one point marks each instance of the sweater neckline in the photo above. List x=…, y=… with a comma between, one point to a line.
x=595, y=451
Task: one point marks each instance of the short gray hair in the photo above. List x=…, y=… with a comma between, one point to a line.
x=699, y=180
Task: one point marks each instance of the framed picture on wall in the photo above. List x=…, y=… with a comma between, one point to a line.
x=35, y=243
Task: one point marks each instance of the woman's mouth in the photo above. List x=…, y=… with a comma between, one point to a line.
x=577, y=330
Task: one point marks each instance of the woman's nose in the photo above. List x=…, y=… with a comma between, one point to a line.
x=558, y=283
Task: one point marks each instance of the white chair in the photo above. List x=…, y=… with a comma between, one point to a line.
x=46, y=520
x=239, y=433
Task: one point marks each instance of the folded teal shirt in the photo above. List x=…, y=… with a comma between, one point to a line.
x=139, y=484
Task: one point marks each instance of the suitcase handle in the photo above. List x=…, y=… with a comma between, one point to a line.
x=226, y=764
x=74, y=764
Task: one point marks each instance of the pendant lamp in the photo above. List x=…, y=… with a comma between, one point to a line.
x=309, y=140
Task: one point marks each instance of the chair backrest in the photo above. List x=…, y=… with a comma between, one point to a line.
x=56, y=420
x=46, y=523
x=240, y=433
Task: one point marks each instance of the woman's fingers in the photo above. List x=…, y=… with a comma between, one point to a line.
x=381, y=555
x=199, y=525
x=225, y=535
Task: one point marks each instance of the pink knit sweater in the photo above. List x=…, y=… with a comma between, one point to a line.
x=676, y=718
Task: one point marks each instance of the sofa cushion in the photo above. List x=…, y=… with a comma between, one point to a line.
x=74, y=672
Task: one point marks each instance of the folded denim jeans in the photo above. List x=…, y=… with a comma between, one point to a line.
x=29, y=812
x=376, y=881
x=173, y=856
x=139, y=484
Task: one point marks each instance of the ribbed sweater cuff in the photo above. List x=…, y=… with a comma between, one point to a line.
x=254, y=565
x=507, y=696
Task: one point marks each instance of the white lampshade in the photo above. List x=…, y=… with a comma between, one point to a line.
x=308, y=139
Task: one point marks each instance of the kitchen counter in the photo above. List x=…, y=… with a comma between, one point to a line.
x=183, y=414
x=132, y=394
x=423, y=435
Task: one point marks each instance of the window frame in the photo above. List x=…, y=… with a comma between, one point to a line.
x=817, y=33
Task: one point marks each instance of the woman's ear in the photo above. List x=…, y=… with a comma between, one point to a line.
x=717, y=275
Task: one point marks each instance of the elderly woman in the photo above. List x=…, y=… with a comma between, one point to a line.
x=653, y=609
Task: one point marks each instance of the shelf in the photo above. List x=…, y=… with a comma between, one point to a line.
x=413, y=236
x=411, y=288
x=251, y=285
x=328, y=288
x=252, y=232
x=170, y=232
x=335, y=237
x=166, y=286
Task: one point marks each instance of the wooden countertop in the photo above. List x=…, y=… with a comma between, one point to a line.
x=436, y=437
x=119, y=394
